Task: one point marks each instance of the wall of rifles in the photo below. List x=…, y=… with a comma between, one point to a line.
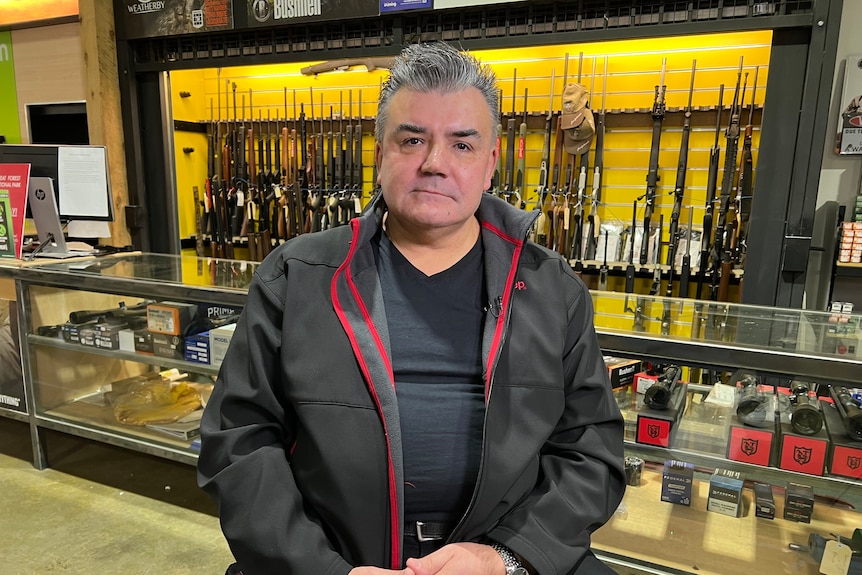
x=676, y=142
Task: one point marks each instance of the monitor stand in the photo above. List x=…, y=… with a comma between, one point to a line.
x=43, y=207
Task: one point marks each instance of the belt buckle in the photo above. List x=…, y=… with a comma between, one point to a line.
x=421, y=537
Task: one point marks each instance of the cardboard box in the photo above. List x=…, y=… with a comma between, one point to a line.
x=798, y=502
x=676, y=482
x=845, y=454
x=659, y=427
x=166, y=345
x=126, y=340
x=725, y=492
x=72, y=331
x=621, y=370
x=170, y=318
x=755, y=445
x=219, y=341
x=801, y=453
x=196, y=347
x=764, y=502
x=143, y=341
x=108, y=332
x=643, y=381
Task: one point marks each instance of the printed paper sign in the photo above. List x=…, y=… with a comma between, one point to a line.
x=14, y=179
x=849, y=138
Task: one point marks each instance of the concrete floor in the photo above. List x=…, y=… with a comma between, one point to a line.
x=102, y=509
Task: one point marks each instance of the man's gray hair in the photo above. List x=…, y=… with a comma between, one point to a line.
x=434, y=67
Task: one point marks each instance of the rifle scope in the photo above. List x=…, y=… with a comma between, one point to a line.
x=658, y=396
x=850, y=410
x=805, y=416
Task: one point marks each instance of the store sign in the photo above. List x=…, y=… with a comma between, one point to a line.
x=13, y=12
x=848, y=141
x=10, y=127
x=399, y=5
x=149, y=18
x=275, y=12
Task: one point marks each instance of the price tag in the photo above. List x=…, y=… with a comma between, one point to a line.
x=240, y=198
x=357, y=205
x=836, y=558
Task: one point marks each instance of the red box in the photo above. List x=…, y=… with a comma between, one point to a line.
x=658, y=427
x=803, y=453
x=751, y=444
x=845, y=457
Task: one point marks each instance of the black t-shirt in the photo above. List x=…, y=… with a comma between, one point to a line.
x=435, y=331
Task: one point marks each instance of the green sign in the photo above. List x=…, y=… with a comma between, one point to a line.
x=10, y=128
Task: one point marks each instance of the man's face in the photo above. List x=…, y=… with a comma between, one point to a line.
x=436, y=158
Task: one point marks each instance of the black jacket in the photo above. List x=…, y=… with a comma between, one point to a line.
x=300, y=440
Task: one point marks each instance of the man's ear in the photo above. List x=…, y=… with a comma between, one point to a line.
x=378, y=159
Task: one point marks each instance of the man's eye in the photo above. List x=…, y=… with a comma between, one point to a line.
x=412, y=142
x=462, y=146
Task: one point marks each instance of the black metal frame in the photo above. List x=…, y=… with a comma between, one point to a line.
x=783, y=206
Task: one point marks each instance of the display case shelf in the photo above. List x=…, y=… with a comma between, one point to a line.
x=162, y=362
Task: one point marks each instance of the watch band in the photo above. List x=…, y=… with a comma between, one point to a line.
x=513, y=565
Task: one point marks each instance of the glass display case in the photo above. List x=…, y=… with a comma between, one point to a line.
x=706, y=356
x=108, y=346
x=727, y=354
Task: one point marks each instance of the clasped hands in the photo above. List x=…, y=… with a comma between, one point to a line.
x=451, y=559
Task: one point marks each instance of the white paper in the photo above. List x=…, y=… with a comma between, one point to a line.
x=88, y=229
x=83, y=181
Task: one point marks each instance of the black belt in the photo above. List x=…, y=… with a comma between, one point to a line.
x=428, y=530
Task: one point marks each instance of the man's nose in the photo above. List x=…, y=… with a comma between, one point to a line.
x=435, y=160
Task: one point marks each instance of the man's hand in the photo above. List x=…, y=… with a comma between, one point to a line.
x=379, y=571
x=459, y=559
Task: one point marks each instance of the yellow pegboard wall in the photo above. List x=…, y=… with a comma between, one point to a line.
x=633, y=70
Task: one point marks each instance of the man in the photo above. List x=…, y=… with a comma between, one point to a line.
x=423, y=382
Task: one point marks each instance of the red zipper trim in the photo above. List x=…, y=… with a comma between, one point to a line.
x=393, y=497
x=507, y=296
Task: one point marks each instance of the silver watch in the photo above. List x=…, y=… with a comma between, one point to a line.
x=513, y=566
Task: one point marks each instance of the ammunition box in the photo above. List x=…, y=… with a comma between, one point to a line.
x=676, y=482
x=170, y=318
x=798, y=502
x=725, y=492
x=764, y=502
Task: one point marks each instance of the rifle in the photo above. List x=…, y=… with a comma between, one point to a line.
x=652, y=178
x=357, y=154
x=542, y=222
x=603, y=271
x=252, y=206
x=712, y=182
x=656, y=270
x=673, y=238
x=745, y=184
x=639, y=316
x=371, y=63
x=497, y=178
x=731, y=136
x=522, y=156
x=199, y=229
x=594, y=224
x=510, y=143
x=685, y=272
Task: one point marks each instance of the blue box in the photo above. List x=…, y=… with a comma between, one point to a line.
x=197, y=347
x=725, y=492
x=676, y=482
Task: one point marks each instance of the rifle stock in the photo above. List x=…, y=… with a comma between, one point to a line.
x=371, y=63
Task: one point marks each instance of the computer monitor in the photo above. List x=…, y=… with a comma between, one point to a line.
x=80, y=175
